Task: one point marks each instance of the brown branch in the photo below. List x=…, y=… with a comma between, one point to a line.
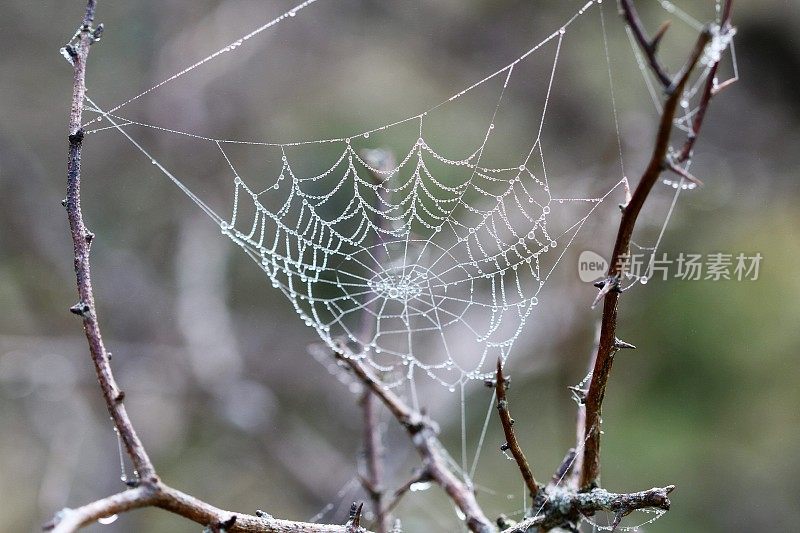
x=511, y=439
x=423, y=433
x=649, y=46
x=78, y=51
x=568, y=505
x=149, y=491
x=421, y=475
x=157, y=494
x=590, y=463
x=373, y=455
x=710, y=89
x=380, y=161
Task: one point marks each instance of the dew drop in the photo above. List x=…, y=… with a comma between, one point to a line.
x=106, y=520
x=643, y=280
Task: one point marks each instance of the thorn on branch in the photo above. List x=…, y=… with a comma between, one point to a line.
x=221, y=527
x=263, y=514
x=77, y=137
x=89, y=236
x=578, y=394
x=81, y=309
x=611, y=283
x=504, y=522
x=354, y=522
x=620, y=344
x=656, y=40
x=71, y=52
x=97, y=33
x=682, y=172
x=120, y=397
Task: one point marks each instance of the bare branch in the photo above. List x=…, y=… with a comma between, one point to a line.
x=511, y=439
x=423, y=433
x=648, y=46
x=563, y=505
x=175, y=501
x=373, y=455
x=590, y=463
x=149, y=491
x=81, y=240
x=421, y=475
x=710, y=89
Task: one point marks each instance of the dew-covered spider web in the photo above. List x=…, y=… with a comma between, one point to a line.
x=424, y=256
x=409, y=256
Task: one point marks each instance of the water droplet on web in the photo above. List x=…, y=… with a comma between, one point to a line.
x=643, y=280
x=292, y=13
x=366, y=135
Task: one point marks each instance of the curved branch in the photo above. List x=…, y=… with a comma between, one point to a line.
x=78, y=51
x=182, y=504
x=423, y=435
x=511, y=438
x=590, y=463
x=148, y=491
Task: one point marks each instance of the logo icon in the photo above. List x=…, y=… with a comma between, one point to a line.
x=591, y=266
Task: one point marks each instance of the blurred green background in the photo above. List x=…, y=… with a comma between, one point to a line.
x=214, y=362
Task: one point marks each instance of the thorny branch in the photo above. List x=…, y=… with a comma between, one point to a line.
x=511, y=439
x=660, y=160
x=78, y=51
x=146, y=490
x=423, y=433
x=573, y=505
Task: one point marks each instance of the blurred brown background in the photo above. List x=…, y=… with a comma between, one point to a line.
x=215, y=363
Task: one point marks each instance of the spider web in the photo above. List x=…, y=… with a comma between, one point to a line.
x=401, y=260
x=419, y=260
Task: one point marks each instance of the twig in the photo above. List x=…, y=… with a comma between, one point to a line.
x=423, y=433
x=157, y=494
x=380, y=162
x=710, y=89
x=511, y=439
x=577, y=504
x=649, y=46
x=373, y=455
x=421, y=475
x=590, y=465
